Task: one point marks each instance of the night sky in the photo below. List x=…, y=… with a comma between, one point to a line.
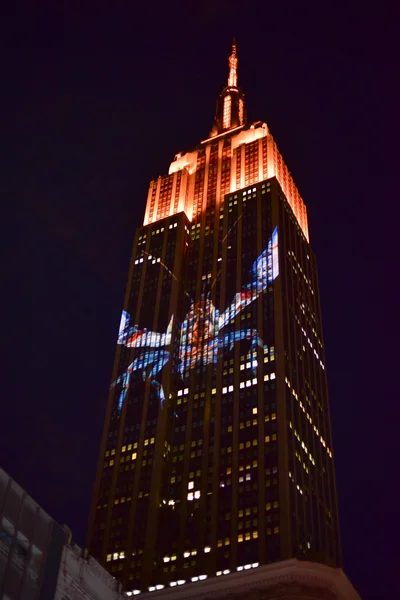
x=94, y=104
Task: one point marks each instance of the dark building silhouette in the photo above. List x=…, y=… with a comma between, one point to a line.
x=38, y=560
x=217, y=447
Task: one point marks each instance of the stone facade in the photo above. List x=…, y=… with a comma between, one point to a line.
x=286, y=580
x=82, y=578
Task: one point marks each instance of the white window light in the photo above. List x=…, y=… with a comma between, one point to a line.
x=207, y=549
x=166, y=559
x=197, y=495
x=136, y=592
x=181, y=581
x=186, y=554
x=152, y=588
x=159, y=587
x=255, y=381
x=190, y=496
x=226, y=572
x=272, y=376
x=202, y=577
x=240, y=568
x=230, y=389
x=254, y=565
x=194, y=579
x=190, y=485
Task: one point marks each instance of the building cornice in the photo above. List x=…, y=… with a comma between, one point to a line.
x=291, y=578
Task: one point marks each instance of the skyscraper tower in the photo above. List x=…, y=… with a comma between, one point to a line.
x=217, y=449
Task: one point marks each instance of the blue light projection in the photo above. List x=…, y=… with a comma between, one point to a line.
x=201, y=334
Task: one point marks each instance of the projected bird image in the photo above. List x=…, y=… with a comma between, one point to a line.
x=203, y=333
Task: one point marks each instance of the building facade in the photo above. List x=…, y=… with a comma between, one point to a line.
x=38, y=560
x=217, y=448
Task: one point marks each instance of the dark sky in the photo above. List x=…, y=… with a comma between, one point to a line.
x=94, y=103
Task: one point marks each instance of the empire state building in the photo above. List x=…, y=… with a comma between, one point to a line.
x=216, y=452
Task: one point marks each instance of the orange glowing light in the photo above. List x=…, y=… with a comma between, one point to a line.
x=226, y=119
x=175, y=192
x=249, y=155
x=233, y=67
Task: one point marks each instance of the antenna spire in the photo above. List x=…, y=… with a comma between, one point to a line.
x=233, y=66
x=231, y=112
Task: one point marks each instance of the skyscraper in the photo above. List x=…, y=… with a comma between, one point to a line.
x=217, y=449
